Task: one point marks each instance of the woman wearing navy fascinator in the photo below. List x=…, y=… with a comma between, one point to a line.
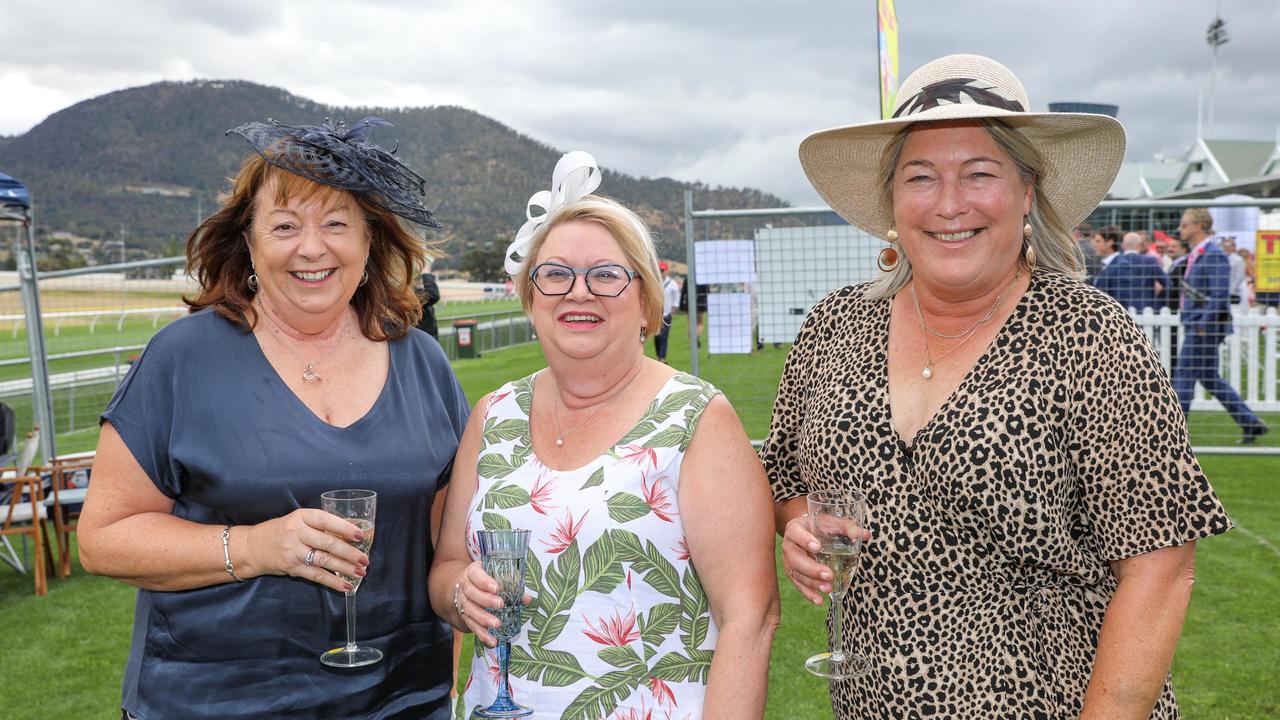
x=299, y=371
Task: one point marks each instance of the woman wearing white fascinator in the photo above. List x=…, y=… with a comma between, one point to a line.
x=629, y=475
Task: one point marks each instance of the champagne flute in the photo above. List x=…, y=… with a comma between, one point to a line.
x=503, y=554
x=838, y=518
x=358, y=507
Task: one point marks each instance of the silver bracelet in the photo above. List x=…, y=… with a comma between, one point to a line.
x=226, y=554
x=457, y=605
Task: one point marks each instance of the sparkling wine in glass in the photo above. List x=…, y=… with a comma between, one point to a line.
x=358, y=507
x=503, y=554
x=837, y=518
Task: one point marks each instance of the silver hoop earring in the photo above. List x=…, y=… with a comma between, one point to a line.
x=364, y=278
x=253, y=283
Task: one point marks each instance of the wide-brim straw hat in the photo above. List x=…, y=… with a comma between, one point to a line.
x=1082, y=151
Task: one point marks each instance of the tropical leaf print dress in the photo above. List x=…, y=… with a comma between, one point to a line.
x=619, y=626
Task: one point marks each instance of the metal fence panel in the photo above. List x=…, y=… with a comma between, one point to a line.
x=801, y=254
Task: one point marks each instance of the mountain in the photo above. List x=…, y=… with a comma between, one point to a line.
x=146, y=160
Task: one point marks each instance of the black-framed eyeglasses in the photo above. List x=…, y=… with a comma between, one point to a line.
x=608, y=280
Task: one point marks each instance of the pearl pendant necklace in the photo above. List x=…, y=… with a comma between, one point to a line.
x=927, y=372
x=562, y=434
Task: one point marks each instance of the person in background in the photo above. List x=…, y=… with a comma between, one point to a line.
x=1161, y=248
x=1206, y=322
x=1033, y=500
x=670, y=300
x=1083, y=237
x=1134, y=279
x=429, y=295
x=700, y=293
x=1178, y=250
x=299, y=371
x=1238, y=279
x=1106, y=242
x=1250, y=277
x=652, y=545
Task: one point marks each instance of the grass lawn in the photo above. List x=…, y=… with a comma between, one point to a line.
x=66, y=653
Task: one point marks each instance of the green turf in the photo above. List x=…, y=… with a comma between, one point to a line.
x=66, y=652
x=449, y=309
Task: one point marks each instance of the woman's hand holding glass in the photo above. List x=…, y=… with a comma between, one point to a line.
x=477, y=593
x=812, y=578
x=281, y=546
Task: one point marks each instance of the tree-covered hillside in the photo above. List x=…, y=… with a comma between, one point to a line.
x=145, y=161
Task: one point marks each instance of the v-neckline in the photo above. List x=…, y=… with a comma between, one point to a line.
x=1019, y=311
x=283, y=386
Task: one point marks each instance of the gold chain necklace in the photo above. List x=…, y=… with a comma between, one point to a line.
x=927, y=372
x=561, y=436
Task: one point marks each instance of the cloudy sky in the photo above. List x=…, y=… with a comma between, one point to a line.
x=715, y=90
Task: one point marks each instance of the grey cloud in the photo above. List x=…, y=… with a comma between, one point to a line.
x=712, y=90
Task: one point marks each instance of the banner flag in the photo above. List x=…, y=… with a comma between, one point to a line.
x=887, y=21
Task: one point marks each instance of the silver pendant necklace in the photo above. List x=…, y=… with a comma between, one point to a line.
x=309, y=374
x=927, y=372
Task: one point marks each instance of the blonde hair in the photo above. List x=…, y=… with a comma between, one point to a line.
x=1201, y=217
x=631, y=234
x=1056, y=251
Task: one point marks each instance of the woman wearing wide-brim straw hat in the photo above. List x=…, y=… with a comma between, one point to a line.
x=1034, y=501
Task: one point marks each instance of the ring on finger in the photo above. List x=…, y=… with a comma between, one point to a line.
x=310, y=559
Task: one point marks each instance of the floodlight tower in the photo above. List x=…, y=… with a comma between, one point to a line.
x=1216, y=37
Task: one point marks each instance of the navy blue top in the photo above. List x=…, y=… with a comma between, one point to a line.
x=216, y=428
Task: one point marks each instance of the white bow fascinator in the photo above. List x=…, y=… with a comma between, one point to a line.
x=576, y=175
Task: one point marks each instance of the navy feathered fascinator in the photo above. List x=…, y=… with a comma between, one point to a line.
x=339, y=156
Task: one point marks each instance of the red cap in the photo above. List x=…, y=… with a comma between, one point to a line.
x=662, y=265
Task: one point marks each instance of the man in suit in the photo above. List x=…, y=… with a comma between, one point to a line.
x=1135, y=279
x=1178, y=254
x=1206, y=321
x=1106, y=243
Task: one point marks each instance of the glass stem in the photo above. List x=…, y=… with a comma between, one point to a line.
x=351, y=622
x=837, y=631
x=504, y=683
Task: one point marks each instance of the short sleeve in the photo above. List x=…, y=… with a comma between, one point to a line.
x=1141, y=486
x=439, y=380
x=142, y=411
x=780, y=452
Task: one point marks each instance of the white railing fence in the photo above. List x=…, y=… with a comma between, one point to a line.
x=1248, y=356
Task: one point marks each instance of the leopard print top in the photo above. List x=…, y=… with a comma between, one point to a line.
x=983, y=589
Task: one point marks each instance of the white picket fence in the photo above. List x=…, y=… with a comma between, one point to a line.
x=1249, y=355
